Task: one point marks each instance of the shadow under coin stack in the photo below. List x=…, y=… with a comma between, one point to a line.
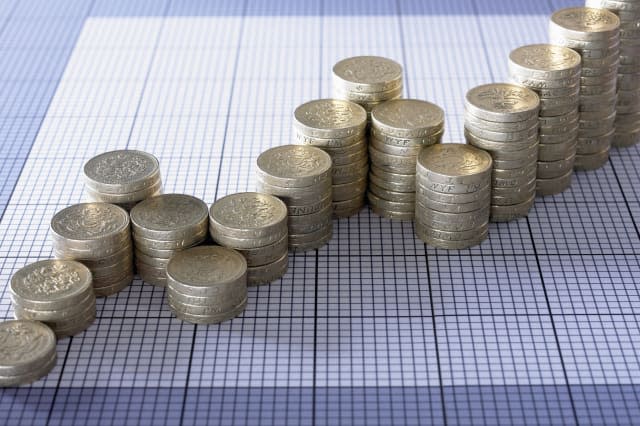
x=28, y=352
x=99, y=236
x=300, y=175
x=367, y=80
x=207, y=284
x=123, y=177
x=595, y=34
x=627, y=122
x=255, y=225
x=339, y=128
x=453, y=196
x=502, y=119
x=553, y=72
x=162, y=226
x=58, y=293
x=399, y=130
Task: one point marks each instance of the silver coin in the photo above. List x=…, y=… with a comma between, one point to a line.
x=408, y=118
x=156, y=262
x=515, y=164
x=196, y=238
x=352, y=203
x=308, y=237
x=407, y=181
x=385, y=194
x=344, y=173
x=591, y=161
x=410, y=151
x=454, y=164
x=558, y=92
x=544, y=61
x=347, y=159
x=406, y=142
x=428, y=194
x=392, y=163
x=471, y=218
x=561, y=128
x=452, y=235
x=557, y=111
x=583, y=23
x=210, y=318
x=297, y=197
x=451, y=245
x=448, y=188
x=502, y=102
x=510, y=182
x=270, y=272
x=367, y=74
x=125, y=197
x=169, y=216
x=493, y=126
x=392, y=215
x=123, y=171
x=359, y=146
x=114, y=287
x=554, y=139
x=489, y=145
x=509, y=213
x=333, y=143
x=297, y=210
x=560, y=119
x=454, y=207
x=595, y=145
x=613, y=5
x=343, y=213
x=367, y=97
x=154, y=276
x=294, y=166
x=161, y=253
x=554, y=185
x=31, y=376
x=329, y=118
x=552, y=103
x=553, y=169
x=310, y=223
x=106, y=272
x=26, y=346
x=266, y=254
x=502, y=136
x=346, y=191
x=391, y=185
x=536, y=84
x=314, y=244
x=395, y=206
x=525, y=153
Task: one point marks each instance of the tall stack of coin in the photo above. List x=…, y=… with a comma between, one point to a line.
x=339, y=128
x=300, y=175
x=28, y=352
x=627, y=122
x=502, y=118
x=162, y=226
x=595, y=34
x=553, y=72
x=99, y=236
x=453, y=196
x=123, y=177
x=255, y=225
x=207, y=284
x=367, y=80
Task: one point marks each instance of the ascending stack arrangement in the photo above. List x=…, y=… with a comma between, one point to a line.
x=28, y=352
x=58, y=293
x=300, y=175
x=553, y=72
x=207, y=284
x=627, y=122
x=99, y=236
x=123, y=177
x=255, y=225
x=453, y=196
x=367, y=80
x=162, y=226
x=595, y=34
x=502, y=119
x=399, y=130
x=339, y=128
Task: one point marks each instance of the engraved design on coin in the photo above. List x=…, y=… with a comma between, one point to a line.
x=89, y=220
x=409, y=113
x=368, y=69
x=248, y=210
x=49, y=277
x=207, y=265
x=502, y=98
x=456, y=160
x=169, y=211
x=586, y=19
x=293, y=161
x=327, y=114
x=24, y=341
x=546, y=57
x=120, y=167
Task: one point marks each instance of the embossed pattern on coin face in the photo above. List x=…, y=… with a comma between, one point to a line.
x=586, y=19
x=49, y=280
x=368, y=70
x=89, y=221
x=454, y=159
x=294, y=161
x=545, y=57
x=170, y=212
x=24, y=342
x=207, y=266
x=121, y=167
x=248, y=210
x=333, y=116
x=503, y=98
x=409, y=114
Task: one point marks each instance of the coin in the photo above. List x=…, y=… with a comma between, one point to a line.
x=408, y=118
x=27, y=346
x=454, y=164
x=294, y=166
x=553, y=169
x=393, y=215
x=209, y=318
x=265, y=254
x=122, y=171
x=584, y=23
x=591, y=161
x=394, y=206
x=502, y=102
x=511, y=212
x=555, y=185
x=169, y=216
x=330, y=118
x=544, y=61
x=443, y=197
x=267, y=273
x=367, y=74
x=385, y=194
x=450, y=244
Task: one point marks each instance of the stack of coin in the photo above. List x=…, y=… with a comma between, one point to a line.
x=27, y=352
x=339, y=128
x=595, y=34
x=399, y=129
x=627, y=122
x=553, y=72
x=162, y=226
x=99, y=236
x=57, y=292
x=300, y=175
x=502, y=118
x=453, y=196
x=367, y=80
x=123, y=177
x=207, y=284
x=255, y=225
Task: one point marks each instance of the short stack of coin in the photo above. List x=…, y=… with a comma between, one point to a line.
x=553, y=72
x=399, y=130
x=339, y=128
x=162, y=226
x=453, y=196
x=367, y=80
x=123, y=177
x=300, y=175
x=255, y=225
x=207, y=284
x=58, y=293
x=99, y=236
x=627, y=122
x=595, y=34
x=502, y=118
x=27, y=352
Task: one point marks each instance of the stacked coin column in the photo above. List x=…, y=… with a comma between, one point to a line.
x=553, y=72
x=627, y=122
x=453, y=196
x=502, y=118
x=255, y=225
x=28, y=352
x=97, y=235
x=339, y=128
x=162, y=226
x=300, y=175
x=595, y=34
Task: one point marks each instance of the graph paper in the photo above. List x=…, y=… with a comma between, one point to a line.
x=538, y=325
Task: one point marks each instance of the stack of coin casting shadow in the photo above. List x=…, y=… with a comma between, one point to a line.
x=99, y=236
x=595, y=34
x=453, y=196
x=255, y=225
x=502, y=119
x=339, y=128
x=300, y=175
x=58, y=293
x=207, y=284
x=28, y=352
x=162, y=226
x=553, y=72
